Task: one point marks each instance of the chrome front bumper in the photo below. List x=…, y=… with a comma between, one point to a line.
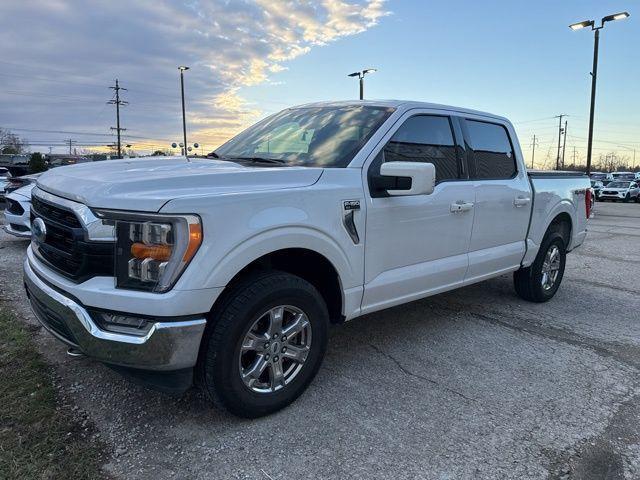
x=167, y=346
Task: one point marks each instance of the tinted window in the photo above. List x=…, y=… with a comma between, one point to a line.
x=492, y=150
x=312, y=136
x=425, y=138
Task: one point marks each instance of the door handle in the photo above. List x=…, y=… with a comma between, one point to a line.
x=461, y=206
x=521, y=201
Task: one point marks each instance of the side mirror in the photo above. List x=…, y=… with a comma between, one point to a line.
x=422, y=177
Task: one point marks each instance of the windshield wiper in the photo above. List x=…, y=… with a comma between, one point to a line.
x=279, y=161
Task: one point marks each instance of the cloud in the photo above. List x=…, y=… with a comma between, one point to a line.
x=57, y=49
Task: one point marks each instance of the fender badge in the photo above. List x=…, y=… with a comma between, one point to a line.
x=351, y=205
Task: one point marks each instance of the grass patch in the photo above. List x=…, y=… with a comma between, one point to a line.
x=37, y=439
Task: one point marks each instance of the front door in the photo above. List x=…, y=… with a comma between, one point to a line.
x=417, y=245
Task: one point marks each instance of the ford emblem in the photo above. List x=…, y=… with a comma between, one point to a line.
x=39, y=230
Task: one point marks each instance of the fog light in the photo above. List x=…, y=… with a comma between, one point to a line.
x=115, y=322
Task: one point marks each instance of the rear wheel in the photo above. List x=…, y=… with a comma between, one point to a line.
x=540, y=281
x=266, y=346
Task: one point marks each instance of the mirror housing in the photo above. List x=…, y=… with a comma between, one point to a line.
x=422, y=175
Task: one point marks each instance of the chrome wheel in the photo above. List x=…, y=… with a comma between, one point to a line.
x=275, y=348
x=550, y=267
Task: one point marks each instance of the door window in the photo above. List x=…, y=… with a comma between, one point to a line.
x=492, y=150
x=425, y=138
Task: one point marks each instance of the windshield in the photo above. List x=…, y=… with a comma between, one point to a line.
x=599, y=176
x=618, y=185
x=314, y=136
x=4, y=172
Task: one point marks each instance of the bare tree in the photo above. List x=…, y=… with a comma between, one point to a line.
x=11, y=143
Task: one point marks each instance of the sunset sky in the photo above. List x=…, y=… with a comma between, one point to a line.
x=251, y=58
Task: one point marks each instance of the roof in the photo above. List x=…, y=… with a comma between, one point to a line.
x=404, y=104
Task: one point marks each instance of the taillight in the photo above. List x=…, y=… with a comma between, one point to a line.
x=587, y=202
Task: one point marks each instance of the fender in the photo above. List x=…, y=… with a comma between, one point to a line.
x=546, y=215
x=280, y=238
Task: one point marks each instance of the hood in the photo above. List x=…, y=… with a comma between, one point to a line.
x=147, y=184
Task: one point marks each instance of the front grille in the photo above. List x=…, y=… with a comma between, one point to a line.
x=18, y=228
x=52, y=320
x=65, y=249
x=14, y=207
x=610, y=193
x=54, y=213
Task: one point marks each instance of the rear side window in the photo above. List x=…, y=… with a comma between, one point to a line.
x=492, y=150
x=425, y=138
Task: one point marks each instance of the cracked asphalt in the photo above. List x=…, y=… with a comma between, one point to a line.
x=471, y=384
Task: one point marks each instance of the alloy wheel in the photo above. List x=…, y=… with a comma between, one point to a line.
x=550, y=267
x=275, y=349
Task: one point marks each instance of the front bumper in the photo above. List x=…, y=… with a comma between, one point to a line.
x=167, y=346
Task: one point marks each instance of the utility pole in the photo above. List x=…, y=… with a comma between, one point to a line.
x=564, y=142
x=559, y=138
x=574, y=155
x=117, y=102
x=70, y=142
x=533, y=151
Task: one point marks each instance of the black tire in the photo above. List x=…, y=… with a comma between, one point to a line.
x=219, y=364
x=528, y=281
x=627, y=198
x=638, y=198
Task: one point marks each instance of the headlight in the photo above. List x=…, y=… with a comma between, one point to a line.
x=152, y=251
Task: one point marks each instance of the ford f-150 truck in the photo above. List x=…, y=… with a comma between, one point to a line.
x=227, y=271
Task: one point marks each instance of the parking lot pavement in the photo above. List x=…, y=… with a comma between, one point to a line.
x=475, y=383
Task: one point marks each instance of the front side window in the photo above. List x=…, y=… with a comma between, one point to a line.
x=425, y=138
x=492, y=150
x=312, y=136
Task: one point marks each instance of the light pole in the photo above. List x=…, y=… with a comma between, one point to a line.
x=182, y=68
x=361, y=75
x=594, y=71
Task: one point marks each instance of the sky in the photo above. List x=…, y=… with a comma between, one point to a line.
x=251, y=58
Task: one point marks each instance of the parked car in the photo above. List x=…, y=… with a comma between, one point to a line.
x=630, y=176
x=231, y=268
x=4, y=181
x=596, y=187
x=621, y=190
x=18, y=212
x=18, y=182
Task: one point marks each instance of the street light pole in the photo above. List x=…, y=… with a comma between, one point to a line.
x=182, y=68
x=360, y=76
x=594, y=71
x=592, y=108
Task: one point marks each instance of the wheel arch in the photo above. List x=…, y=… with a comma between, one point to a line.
x=306, y=263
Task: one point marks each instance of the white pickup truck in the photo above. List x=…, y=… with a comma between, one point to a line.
x=228, y=270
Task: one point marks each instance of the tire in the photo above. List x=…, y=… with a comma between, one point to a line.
x=245, y=325
x=528, y=282
x=638, y=198
x=627, y=198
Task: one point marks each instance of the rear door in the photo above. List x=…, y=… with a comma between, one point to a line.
x=503, y=199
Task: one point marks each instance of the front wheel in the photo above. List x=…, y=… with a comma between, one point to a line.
x=540, y=281
x=627, y=198
x=266, y=345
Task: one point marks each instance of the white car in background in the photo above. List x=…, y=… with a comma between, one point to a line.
x=18, y=211
x=621, y=190
x=4, y=180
